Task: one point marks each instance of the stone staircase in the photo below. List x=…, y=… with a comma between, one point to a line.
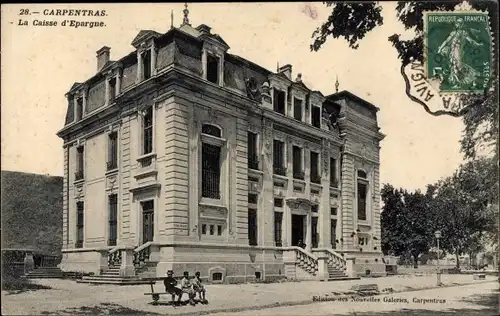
x=336, y=267
x=143, y=269
x=45, y=273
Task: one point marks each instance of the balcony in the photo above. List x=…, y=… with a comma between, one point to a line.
x=279, y=170
x=79, y=175
x=111, y=165
x=315, y=178
x=111, y=242
x=299, y=175
x=253, y=162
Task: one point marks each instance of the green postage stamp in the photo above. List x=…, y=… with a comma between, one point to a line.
x=458, y=50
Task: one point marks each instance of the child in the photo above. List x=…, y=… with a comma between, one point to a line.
x=170, y=287
x=199, y=288
x=187, y=287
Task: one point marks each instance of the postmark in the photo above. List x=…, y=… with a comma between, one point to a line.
x=458, y=50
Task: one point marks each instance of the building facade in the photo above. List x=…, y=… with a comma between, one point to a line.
x=183, y=156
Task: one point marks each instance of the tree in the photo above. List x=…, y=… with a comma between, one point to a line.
x=352, y=21
x=461, y=205
x=406, y=224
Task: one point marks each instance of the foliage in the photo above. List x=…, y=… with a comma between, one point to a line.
x=406, y=224
x=352, y=21
x=32, y=211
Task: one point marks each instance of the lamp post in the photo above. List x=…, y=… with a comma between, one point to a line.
x=437, y=234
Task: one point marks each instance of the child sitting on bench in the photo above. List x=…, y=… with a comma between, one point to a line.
x=198, y=287
x=187, y=287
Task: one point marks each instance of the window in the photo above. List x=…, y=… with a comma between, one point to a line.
x=315, y=178
x=252, y=227
x=362, y=194
x=213, y=68
x=204, y=229
x=113, y=219
x=79, y=109
x=79, y=224
x=333, y=228
x=314, y=208
x=112, y=88
x=316, y=116
x=211, y=164
x=113, y=151
x=253, y=160
x=362, y=190
x=147, y=221
x=252, y=198
x=363, y=241
x=210, y=157
x=217, y=276
x=219, y=230
x=333, y=173
x=80, y=163
x=333, y=211
x=146, y=64
x=279, y=101
x=278, y=202
x=297, y=109
x=278, y=221
x=279, y=157
x=298, y=173
x=212, y=231
x=148, y=131
x=314, y=232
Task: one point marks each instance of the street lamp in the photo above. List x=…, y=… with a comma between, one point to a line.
x=437, y=234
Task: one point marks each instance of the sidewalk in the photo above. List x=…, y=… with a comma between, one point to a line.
x=67, y=297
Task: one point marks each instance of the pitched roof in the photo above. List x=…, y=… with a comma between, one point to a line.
x=349, y=95
x=143, y=34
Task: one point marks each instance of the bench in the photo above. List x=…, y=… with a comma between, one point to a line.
x=365, y=288
x=479, y=276
x=156, y=295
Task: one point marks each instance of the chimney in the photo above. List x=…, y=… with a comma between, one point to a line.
x=102, y=57
x=203, y=28
x=286, y=70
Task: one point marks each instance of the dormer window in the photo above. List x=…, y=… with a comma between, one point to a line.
x=279, y=100
x=213, y=68
x=79, y=108
x=297, y=109
x=146, y=64
x=316, y=116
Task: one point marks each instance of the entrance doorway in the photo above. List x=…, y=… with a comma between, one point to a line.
x=147, y=221
x=297, y=229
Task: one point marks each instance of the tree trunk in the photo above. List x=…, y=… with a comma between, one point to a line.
x=457, y=257
x=415, y=261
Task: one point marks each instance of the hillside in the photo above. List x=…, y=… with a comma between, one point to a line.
x=31, y=211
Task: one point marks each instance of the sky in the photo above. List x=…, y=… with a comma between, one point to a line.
x=39, y=65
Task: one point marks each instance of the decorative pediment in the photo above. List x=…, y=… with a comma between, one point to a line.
x=143, y=36
x=299, y=204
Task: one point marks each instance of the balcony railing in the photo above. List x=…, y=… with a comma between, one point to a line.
x=279, y=170
x=298, y=175
x=111, y=165
x=315, y=178
x=334, y=183
x=79, y=175
x=210, y=184
x=111, y=242
x=253, y=162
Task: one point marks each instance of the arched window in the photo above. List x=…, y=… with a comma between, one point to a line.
x=211, y=161
x=211, y=130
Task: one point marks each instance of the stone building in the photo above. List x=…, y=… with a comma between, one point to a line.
x=183, y=156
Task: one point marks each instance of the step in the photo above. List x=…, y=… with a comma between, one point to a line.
x=345, y=278
x=117, y=281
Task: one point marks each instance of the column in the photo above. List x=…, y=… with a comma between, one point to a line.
x=308, y=232
x=287, y=226
x=106, y=94
x=127, y=267
x=324, y=204
x=118, y=82
x=84, y=101
x=221, y=70
x=266, y=220
x=139, y=66
x=204, y=63
x=75, y=105
x=153, y=59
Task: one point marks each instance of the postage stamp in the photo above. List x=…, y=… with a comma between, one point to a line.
x=458, y=50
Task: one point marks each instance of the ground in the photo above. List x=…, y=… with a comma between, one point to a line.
x=70, y=298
